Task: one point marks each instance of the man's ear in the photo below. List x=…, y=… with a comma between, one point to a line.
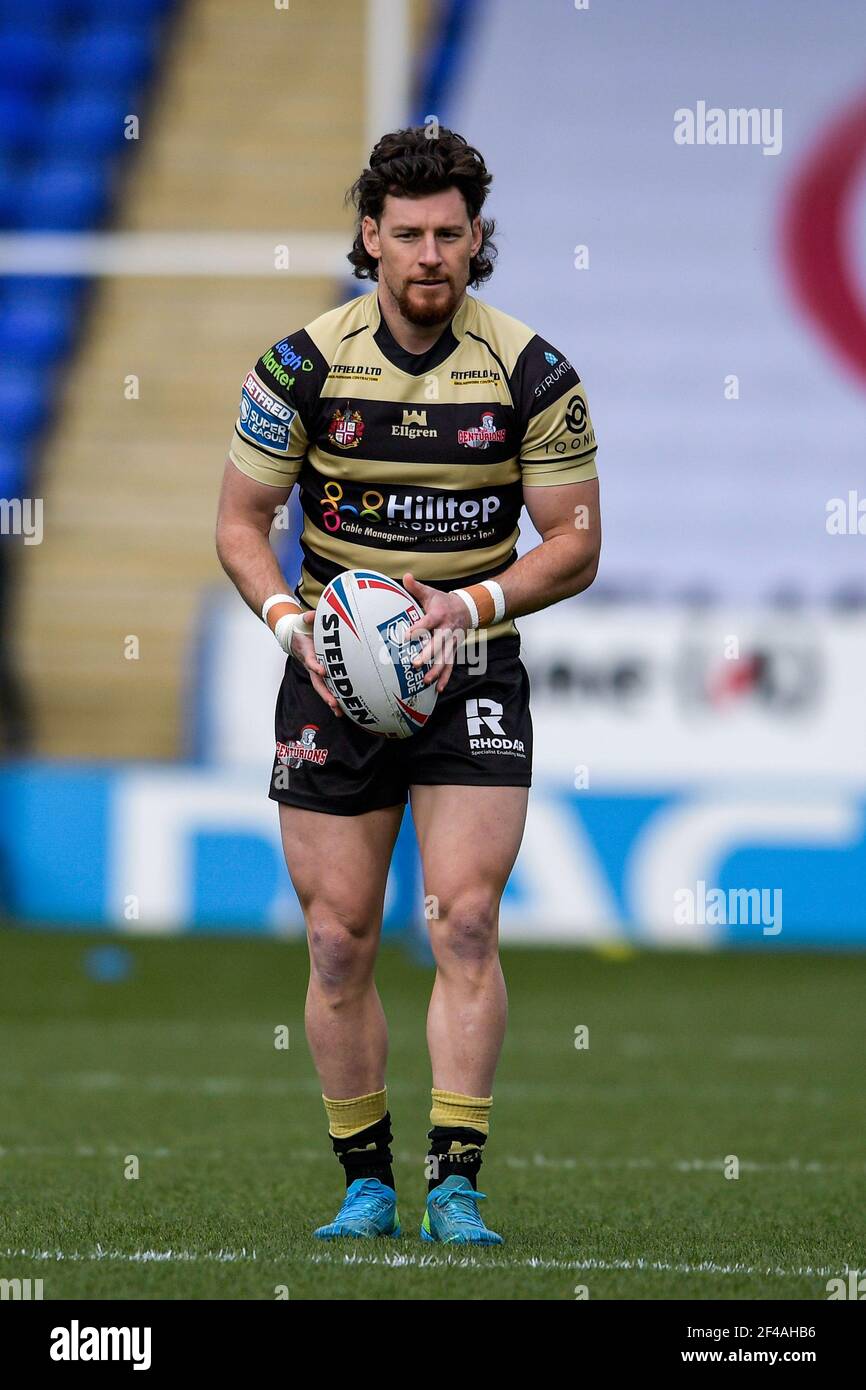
x=370, y=237
x=477, y=236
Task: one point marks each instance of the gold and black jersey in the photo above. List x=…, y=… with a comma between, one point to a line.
x=411, y=461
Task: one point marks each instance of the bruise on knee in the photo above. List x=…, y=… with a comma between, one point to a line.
x=341, y=950
x=467, y=932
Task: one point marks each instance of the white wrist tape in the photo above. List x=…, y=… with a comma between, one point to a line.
x=484, y=608
x=286, y=626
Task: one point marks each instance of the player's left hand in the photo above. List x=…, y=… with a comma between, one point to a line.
x=442, y=629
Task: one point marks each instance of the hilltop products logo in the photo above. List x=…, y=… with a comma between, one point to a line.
x=736, y=126
x=414, y=426
x=479, y=436
x=443, y=513
x=303, y=749
x=76, y=1343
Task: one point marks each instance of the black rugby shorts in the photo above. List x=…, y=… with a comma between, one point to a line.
x=479, y=735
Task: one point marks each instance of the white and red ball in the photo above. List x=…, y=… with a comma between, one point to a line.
x=359, y=633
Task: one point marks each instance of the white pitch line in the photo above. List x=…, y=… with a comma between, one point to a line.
x=513, y=1090
x=397, y=1261
x=536, y=1160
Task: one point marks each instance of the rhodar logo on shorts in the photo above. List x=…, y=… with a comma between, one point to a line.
x=484, y=715
x=303, y=749
x=479, y=436
x=346, y=428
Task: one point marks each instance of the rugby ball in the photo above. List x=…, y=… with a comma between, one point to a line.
x=359, y=635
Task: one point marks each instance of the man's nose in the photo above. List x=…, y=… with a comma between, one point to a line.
x=429, y=252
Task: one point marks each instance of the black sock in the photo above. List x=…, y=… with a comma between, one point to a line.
x=463, y=1162
x=366, y=1154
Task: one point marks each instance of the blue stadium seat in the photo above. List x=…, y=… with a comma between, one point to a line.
x=42, y=289
x=14, y=470
x=10, y=191
x=110, y=54
x=21, y=122
x=63, y=197
x=70, y=71
x=86, y=126
x=33, y=331
x=24, y=402
x=52, y=13
x=131, y=12
x=30, y=60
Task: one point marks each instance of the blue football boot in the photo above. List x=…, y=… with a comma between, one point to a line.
x=452, y=1215
x=369, y=1209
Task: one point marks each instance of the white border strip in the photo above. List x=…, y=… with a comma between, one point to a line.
x=175, y=253
x=387, y=67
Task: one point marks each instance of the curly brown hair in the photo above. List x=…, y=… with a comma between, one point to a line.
x=411, y=163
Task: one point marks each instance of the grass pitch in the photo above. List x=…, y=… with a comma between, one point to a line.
x=606, y=1166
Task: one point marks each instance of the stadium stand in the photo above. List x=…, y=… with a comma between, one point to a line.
x=130, y=484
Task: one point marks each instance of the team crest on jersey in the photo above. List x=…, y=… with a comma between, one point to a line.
x=479, y=436
x=303, y=749
x=346, y=428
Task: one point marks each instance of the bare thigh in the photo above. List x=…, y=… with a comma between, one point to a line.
x=339, y=866
x=468, y=838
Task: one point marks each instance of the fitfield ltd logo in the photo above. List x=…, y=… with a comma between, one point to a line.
x=77, y=1343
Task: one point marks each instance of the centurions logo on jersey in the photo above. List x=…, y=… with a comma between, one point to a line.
x=303, y=749
x=479, y=436
x=346, y=428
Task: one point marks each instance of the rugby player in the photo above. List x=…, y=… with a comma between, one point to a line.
x=417, y=422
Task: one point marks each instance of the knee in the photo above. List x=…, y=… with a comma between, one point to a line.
x=342, y=946
x=467, y=930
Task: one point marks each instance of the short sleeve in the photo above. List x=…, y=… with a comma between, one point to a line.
x=270, y=437
x=558, y=442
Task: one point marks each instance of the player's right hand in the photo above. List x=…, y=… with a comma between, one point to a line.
x=304, y=652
